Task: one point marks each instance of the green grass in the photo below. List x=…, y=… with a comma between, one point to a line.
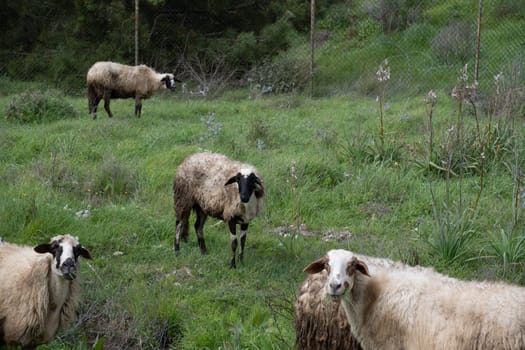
x=122, y=170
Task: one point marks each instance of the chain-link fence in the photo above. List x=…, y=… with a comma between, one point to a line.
x=427, y=54
x=425, y=50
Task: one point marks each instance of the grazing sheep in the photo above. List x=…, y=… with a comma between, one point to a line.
x=417, y=308
x=319, y=323
x=39, y=292
x=107, y=80
x=212, y=184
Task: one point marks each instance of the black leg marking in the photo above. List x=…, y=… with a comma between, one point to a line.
x=233, y=237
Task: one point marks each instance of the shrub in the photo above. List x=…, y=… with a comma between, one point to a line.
x=282, y=75
x=36, y=106
x=509, y=8
x=392, y=14
x=366, y=29
x=454, y=43
x=337, y=17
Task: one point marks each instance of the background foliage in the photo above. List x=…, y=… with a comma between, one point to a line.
x=425, y=166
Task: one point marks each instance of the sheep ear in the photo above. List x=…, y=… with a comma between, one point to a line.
x=84, y=253
x=257, y=180
x=232, y=179
x=316, y=266
x=43, y=248
x=360, y=266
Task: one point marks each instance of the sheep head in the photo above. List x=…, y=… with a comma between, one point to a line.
x=341, y=266
x=248, y=183
x=170, y=81
x=65, y=250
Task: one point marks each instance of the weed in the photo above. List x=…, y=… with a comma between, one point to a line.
x=213, y=129
x=383, y=75
x=260, y=130
x=508, y=248
x=57, y=173
x=112, y=180
x=451, y=236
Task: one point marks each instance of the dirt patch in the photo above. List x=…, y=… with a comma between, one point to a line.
x=303, y=230
x=376, y=209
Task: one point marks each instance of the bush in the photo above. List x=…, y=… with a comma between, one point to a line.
x=509, y=8
x=393, y=14
x=36, y=106
x=454, y=43
x=282, y=75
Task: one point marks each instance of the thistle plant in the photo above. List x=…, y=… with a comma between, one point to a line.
x=289, y=244
x=292, y=180
x=462, y=92
x=431, y=100
x=213, y=128
x=383, y=75
x=498, y=79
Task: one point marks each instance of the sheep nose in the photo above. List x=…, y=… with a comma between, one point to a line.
x=68, y=266
x=335, y=285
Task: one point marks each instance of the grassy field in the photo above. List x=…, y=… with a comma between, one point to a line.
x=326, y=169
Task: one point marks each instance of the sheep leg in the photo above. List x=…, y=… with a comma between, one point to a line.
x=93, y=105
x=181, y=230
x=107, y=98
x=93, y=100
x=233, y=238
x=244, y=229
x=199, y=225
x=138, y=106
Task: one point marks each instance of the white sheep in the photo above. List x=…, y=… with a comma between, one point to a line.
x=107, y=80
x=321, y=324
x=215, y=185
x=415, y=308
x=39, y=292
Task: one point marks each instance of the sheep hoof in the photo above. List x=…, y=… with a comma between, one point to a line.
x=232, y=264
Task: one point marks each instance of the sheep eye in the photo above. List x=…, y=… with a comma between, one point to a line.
x=327, y=267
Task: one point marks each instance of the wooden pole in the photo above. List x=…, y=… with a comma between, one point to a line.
x=312, y=45
x=136, y=32
x=478, y=41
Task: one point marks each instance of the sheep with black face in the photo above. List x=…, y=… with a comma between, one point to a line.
x=107, y=80
x=214, y=185
x=39, y=291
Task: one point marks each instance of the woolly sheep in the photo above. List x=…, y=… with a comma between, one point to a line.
x=215, y=185
x=39, y=292
x=416, y=308
x=107, y=80
x=319, y=323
